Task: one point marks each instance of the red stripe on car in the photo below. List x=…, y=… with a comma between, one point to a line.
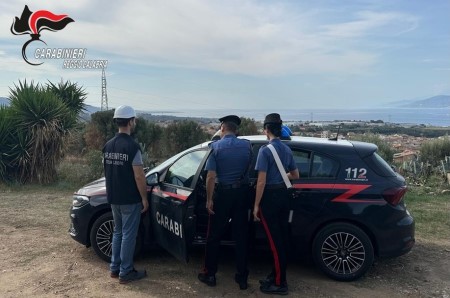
x=346, y=197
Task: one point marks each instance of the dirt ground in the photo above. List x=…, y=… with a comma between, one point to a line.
x=38, y=258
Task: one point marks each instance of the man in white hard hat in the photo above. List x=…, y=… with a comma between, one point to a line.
x=126, y=192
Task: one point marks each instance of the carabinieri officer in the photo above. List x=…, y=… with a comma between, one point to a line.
x=228, y=164
x=272, y=202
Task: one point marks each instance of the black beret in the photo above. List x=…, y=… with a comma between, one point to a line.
x=231, y=118
x=273, y=118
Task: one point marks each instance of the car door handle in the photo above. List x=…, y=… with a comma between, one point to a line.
x=298, y=192
x=308, y=190
x=176, y=202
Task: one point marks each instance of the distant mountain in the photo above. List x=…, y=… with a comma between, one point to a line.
x=439, y=101
x=85, y=115
x=4, y=101
x=91, y=109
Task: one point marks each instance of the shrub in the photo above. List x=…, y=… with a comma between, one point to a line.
x=77, y=171
x=435, y=150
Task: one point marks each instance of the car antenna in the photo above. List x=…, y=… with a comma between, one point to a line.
x=337, y=134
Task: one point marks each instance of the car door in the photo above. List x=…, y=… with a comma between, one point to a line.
x=315, y=187
x=173, y=204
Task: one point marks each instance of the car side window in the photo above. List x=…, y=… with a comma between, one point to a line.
x=324, y=167
x=302, y=159
x=182, y=172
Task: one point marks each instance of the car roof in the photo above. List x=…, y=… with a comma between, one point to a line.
x=312, y=143
x=298, y=139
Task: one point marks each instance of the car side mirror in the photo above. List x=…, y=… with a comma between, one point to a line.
x=153, y=179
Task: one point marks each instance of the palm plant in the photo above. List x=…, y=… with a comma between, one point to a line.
x=72, y=96
x=42, y=121
x=5, y=132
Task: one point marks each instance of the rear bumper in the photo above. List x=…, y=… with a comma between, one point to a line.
x=397, y=240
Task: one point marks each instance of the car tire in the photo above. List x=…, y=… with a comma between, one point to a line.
x=343, y=251
x=101, y=237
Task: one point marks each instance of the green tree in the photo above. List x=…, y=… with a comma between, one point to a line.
x=181, y=135
x=150, y=135
x=248, y=127
x=100, y=129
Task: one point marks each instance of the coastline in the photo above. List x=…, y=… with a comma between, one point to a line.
x=426, y=116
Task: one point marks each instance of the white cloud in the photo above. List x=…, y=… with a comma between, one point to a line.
x=391, y=23
x=245, y=37
x=239, y=37
x=315, y=48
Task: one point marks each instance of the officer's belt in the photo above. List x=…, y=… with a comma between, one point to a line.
x=275, y=186
x=231, y=185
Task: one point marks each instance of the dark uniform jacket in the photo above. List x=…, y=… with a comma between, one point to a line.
x=118, y=155
x=230, y=158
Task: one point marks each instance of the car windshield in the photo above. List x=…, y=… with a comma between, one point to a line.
x=169, y=161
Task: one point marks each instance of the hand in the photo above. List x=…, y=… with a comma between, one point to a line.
x=144, y=205
x=209, y=206
x=256, y=213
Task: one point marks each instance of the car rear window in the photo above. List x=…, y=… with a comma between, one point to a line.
x=324, y=167
x=379, y=165
x=315, y=165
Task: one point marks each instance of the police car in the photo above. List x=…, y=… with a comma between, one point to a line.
x=346, y=209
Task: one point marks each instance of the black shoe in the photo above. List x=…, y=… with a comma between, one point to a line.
x=132, y=276
x=267, y=282
x=210, y=280
x=274, y=289
x=270, y=279
x=241, y=280
x=114, y=274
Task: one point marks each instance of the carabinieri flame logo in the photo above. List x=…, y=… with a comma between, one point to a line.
x=34, y=22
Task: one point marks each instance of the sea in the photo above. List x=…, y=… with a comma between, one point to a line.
x=411, y=116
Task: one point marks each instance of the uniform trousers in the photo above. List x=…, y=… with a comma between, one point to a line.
x=231, y=203
x=274, y=214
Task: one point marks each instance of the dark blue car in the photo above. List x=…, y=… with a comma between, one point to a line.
x=346, y=209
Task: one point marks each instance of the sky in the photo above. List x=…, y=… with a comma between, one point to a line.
x=241, y=54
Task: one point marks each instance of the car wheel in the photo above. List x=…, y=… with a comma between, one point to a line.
x=343, y=251
x=101, y=237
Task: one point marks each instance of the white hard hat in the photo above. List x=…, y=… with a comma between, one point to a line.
x=124, y=112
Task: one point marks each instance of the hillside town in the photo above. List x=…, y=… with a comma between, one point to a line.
x=404, y=139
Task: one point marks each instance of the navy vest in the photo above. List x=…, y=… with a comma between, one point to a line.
x=118, y=155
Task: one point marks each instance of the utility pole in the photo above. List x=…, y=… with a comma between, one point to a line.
x=104, y=103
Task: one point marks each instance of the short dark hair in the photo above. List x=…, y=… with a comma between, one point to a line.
x=274, y=128
x=122, y=122
x=230, y=126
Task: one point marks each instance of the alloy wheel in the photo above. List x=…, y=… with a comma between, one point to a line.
x=343, y=253
x=104, y=236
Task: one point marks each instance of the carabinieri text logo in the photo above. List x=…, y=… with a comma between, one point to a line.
x=34, y=22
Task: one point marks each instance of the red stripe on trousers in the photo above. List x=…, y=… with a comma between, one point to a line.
x=274, y=250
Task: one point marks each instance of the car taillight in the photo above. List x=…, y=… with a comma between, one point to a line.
x=394, y=195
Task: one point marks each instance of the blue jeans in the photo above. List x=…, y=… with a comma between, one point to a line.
x=126, y=225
